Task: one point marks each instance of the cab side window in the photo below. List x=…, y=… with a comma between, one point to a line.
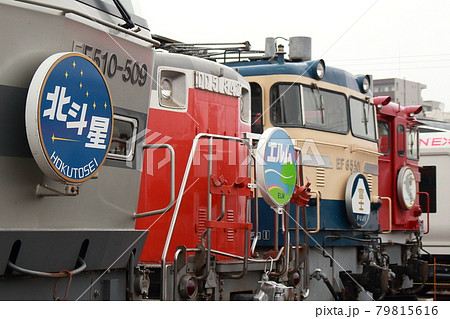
x=384, y=145
x=257, y=109
x=401, y=140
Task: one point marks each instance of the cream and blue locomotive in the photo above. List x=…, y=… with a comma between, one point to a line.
x=330, y=115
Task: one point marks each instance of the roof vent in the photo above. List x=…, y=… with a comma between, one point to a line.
x=299, y=48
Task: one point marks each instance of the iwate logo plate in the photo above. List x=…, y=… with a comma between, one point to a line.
x=276, y=172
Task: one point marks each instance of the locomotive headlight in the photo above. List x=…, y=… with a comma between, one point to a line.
x=366, y=84
x=166, y=89
x=188, y=287
x=317, y=69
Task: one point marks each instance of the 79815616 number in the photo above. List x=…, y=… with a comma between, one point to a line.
x=407, y=310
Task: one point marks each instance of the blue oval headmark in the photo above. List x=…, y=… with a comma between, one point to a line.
x=75, y=118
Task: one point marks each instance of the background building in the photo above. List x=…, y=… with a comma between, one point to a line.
x=407, y=93
x=401, y=91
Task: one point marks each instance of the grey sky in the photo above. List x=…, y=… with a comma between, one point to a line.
x=386, y=38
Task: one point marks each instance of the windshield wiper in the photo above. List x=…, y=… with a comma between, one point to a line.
x=129, y=24
x=319, y=104
x=365, y=118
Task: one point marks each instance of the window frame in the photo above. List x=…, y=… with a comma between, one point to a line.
x=398, y=140
x=257, y=106
x=272, y=104
x=410, y=129
x=302, y=109
x=132, y=140
x=374, y=118
x=388, y=136
x=245, y=105
x=112, y=10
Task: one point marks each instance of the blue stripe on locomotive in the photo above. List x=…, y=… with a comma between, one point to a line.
x=333, y=224
x=265, y=67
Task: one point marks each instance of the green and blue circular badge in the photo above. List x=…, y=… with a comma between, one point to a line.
x=69, y=117
x=276, y=171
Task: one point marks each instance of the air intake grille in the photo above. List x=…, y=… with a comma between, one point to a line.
x=320, y=177
x=230, y=231
x=201, y=223
x=370, y=182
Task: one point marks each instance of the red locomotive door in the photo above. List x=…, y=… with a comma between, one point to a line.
x=385, y=162
x=215, y=169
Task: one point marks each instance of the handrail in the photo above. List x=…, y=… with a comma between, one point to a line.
x=172, y=181
x=390, y=215
x=317, y=213
x=321, y=142
x=428, y=210
x=253, y=260
x=255, y=209
x=246, y=224
x=66, y=10
x=61, y=274
x=297, y=262
x=209, y=210
x=363, y=150
x=180, y=197
x=287, y=241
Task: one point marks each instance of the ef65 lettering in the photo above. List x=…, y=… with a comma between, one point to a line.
x=347, y=164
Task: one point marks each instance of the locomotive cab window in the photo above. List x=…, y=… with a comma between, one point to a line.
x=401, y=140
x=123, y=139
x=128, y=4
x=285, y=105
x=412, y=145
x=108, y=6
x=295, y=105
x=384, y=145
x=325, y=110
x=362, y=117
x=257, y=111
x=244, y=105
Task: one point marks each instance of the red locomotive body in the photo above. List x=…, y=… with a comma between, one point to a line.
x=398, y=166
x=201, y=122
